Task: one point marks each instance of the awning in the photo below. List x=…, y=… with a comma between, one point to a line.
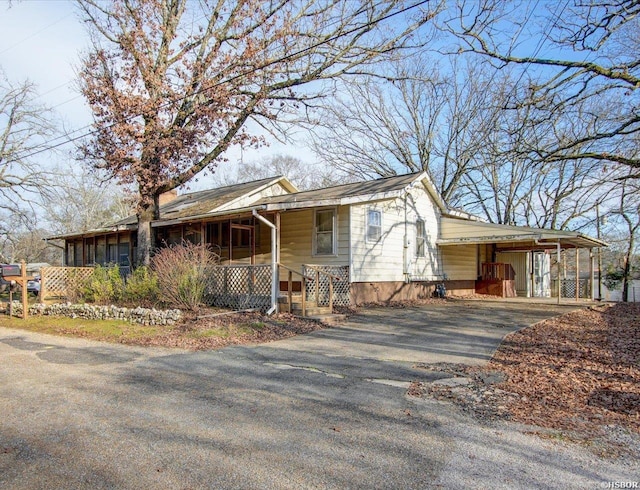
x=464, y=232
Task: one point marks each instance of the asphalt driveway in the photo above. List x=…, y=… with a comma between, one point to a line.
x=460, y=332
x=301, y=413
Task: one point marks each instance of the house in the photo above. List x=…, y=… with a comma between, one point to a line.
x=388, y=239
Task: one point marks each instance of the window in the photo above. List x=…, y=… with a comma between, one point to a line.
x=374, y=225
x=324, y=232
x=420, y=238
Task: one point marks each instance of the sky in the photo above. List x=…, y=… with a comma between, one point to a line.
x=41, y=40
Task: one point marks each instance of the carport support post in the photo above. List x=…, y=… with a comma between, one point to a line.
x=559, y=250
x=577, y=274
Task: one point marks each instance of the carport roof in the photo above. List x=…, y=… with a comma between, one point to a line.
x=463, y=232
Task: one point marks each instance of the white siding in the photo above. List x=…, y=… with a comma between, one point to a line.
x=382, y=260
x=296, y=239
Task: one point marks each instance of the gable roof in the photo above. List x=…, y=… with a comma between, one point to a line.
x=210, y=200
x=371, y=190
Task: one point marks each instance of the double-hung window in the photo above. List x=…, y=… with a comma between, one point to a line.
x=374, y=225
x=420, y=238
x=325, y=226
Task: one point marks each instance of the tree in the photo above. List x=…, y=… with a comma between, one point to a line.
x=462, y=124
x=591, y=75
x=24, y=129
x=80, y=201
x=422, y=116
x=625, y=217
x=303, y=175
x=173, y=84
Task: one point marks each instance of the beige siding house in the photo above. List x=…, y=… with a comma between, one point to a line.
x=376, y=241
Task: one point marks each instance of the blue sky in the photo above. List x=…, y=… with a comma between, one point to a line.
x=41, y=40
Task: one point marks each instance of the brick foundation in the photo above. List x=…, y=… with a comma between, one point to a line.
x=383, y=292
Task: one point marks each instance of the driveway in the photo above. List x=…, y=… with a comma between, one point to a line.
x=466, y=332
x=301, y=413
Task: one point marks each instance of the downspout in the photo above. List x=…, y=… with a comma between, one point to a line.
x=274, y=262
x=405, y=249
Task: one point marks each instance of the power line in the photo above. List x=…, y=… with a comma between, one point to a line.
x=52, y=145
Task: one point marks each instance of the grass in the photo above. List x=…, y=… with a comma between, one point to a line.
x=124, y=332
x=108, y=330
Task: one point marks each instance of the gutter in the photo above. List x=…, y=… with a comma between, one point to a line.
x=274, y=261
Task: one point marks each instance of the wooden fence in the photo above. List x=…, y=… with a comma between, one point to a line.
x=61, y=282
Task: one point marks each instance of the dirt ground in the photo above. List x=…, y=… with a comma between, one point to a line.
x=574, y=377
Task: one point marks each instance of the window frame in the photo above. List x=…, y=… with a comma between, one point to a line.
x=421, y=238
x=368, y=238
x=333, y=232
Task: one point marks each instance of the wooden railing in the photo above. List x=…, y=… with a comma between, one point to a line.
x=306, y=279
x=497, y=270
x=303, y=289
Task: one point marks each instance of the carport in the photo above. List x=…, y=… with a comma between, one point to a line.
x=528, y=262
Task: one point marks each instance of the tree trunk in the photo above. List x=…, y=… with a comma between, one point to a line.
x=147, y=212
x=626, y=276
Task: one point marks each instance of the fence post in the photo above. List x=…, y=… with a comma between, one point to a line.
x=330, y=293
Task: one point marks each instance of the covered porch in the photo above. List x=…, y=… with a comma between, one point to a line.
x=525, y=262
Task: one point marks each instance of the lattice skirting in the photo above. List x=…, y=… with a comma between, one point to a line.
x=239, y=287
x=341, y=293
x=568, y=288
x=56, y=281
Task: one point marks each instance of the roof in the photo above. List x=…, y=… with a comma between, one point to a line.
x=384, y=188
x=208, y=201
x=461, y=231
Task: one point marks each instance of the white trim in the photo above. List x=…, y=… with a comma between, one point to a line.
x=423, y=237
x=367, y=239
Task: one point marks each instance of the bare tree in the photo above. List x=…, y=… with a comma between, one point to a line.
x=24, y=129
x=626, y=217
x=302, y=174
x=592, y=78
x=80, y=201
x=422, y=117
x=173, y=83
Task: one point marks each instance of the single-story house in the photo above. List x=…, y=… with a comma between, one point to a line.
x=388, y=239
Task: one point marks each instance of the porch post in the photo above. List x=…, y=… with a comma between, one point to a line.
x=559, y=279
x=274, y=262
x=577, y=274
x=591, y=274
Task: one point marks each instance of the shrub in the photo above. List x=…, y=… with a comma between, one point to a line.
x=104, y=286
x=182, y=271
x=141, y=287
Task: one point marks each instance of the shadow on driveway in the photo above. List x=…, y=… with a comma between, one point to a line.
x=465, y=332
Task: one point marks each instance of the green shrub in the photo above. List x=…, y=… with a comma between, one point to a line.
x=104, y=286
x=141, y=287
x=182, y=272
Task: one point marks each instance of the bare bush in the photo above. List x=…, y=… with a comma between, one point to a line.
x=182, y=272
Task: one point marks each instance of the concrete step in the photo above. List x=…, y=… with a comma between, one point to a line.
x=330, y=319
x=312, y=310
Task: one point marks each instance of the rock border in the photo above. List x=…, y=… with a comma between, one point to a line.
x=143, y=316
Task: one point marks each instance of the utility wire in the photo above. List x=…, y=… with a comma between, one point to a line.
x=51, y=145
